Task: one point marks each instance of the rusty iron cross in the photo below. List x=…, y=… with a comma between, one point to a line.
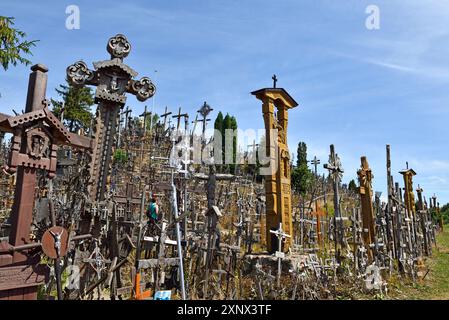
x=112, y=77
x=113, y=80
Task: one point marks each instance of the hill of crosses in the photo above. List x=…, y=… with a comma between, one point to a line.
x=160, y=206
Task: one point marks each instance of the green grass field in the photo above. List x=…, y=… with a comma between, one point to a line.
x=435, y=286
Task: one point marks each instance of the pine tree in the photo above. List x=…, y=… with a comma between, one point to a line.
x=301, y=177
x=301, y=158
x=12, y=46
x=222, y=124
x=75, y=104
x=226, y=125
x=352, y=186
x=233, y=123
x=151, y=122
x=218, y=125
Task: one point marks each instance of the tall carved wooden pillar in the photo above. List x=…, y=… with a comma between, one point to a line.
x=277, y=179
x=409, y=196
x=366, y=195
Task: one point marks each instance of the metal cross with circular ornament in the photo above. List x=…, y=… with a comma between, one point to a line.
x=97, y=261
x=55, y=242
x=205, y=109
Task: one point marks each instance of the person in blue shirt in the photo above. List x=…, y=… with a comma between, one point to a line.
x=153, y=211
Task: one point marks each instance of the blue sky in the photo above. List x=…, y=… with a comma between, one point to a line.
x=357, y=88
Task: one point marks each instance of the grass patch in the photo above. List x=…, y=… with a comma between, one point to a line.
x=436, y=284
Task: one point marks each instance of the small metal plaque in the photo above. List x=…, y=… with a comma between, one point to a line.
x=280, y=254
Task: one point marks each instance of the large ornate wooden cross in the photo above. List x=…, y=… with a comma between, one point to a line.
x=113, y=80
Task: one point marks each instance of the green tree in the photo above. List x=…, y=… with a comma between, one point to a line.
x=75, y=104
x=218, y=125
x=12, y=45
x=222, y=124
x=301, y=158
x=352, y=186
x=301, y=177
x=226, y=125
x=151, y=122
x=233, y=126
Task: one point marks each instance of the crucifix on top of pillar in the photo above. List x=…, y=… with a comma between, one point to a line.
x=275, y=79
x=113, y=80
x=277, y=182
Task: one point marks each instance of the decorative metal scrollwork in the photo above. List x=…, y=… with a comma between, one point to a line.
x=78, y=73
x=143, y=88
x=118, y=46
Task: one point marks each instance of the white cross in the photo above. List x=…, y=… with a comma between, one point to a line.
x=280, y=235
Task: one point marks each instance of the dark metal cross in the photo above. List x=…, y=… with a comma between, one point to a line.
x=275, y=79
x=165, y=115
x=126, y=113
x=204, y=112
x=254, y=147
x=179, y=116
x=113, y=80
x=315, y=161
